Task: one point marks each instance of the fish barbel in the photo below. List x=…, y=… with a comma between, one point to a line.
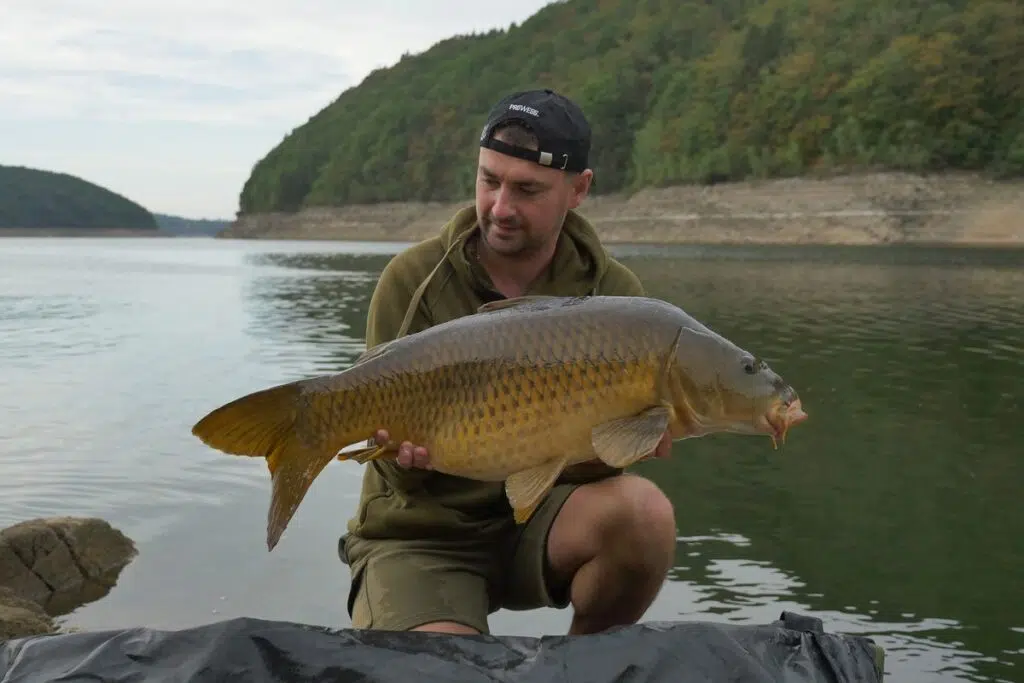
x=517, y=392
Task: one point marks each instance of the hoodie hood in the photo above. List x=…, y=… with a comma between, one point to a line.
x=579, y=263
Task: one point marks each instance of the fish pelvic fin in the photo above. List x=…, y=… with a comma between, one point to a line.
x=622, y=442
x=369, y=453
x=527, y=488
x=271, y=424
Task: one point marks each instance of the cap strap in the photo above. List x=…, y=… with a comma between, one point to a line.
x=554, y=160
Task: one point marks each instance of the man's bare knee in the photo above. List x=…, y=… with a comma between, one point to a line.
x=447, y=627
x=622, y=512
x=642, y=520
x=613, y=543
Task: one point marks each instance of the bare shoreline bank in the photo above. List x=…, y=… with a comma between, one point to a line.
x=960, y=209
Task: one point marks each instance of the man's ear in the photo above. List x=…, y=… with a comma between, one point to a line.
x=580, y=186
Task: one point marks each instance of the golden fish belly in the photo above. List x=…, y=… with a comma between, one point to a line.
x=486, y=419
x=525, y=419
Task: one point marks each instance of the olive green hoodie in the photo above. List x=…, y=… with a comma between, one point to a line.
x=430, y=283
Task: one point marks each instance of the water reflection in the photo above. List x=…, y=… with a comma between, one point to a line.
x=313, y=306
x=875, y=514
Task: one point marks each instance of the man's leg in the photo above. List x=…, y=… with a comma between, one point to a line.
x=410, y=586
x=604, y=547
x=612, y=543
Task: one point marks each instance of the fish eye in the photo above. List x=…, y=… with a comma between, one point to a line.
x=749, y=366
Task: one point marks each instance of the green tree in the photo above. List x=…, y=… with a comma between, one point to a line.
x=681, y=91
x=39, y=199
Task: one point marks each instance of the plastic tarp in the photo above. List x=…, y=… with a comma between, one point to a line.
x=792, y=649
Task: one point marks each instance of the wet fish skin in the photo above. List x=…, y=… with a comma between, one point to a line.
x=517, y=392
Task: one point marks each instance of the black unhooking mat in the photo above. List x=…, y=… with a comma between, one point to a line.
x=792, y=649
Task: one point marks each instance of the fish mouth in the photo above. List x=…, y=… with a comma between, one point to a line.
x=778, y=420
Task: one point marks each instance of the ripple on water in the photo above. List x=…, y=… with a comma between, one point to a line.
x=41, y=481
x=43, y=328
x=741, y=590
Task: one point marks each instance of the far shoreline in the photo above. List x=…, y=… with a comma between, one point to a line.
x=82, y=232
x=882, y=208
x=954, y=209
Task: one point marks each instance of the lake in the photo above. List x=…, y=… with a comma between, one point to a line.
x=895, y=510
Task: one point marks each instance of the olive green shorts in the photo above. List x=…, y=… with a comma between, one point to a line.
x=398, y=585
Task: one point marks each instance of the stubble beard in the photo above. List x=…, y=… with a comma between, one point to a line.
x=518, y=244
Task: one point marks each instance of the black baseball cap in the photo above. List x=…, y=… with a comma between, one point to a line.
x=560, y=127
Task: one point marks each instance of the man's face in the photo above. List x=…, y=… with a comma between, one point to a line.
x=521, y=205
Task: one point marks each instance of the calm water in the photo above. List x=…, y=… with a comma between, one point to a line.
x=895, y=511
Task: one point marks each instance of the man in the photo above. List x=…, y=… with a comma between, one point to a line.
x=433, y=552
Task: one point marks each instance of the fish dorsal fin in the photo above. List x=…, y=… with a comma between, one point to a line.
x=368, y=354
x=517, y=301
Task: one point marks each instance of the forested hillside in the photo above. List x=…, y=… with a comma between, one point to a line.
x=682, y=91
x=32, y=198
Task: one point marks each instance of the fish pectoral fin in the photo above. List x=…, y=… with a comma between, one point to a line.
x=515, y=301
x=620, y=443
x=527, y=488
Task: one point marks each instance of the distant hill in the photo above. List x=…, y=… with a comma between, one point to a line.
x=681, y=91
x=184, y=227
x=37, y=199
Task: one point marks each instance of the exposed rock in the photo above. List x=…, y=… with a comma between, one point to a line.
x=50, y=566
x=20, y=617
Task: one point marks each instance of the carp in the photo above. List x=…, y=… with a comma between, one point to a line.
x=517, y=392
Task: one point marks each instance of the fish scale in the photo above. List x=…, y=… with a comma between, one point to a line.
x=517, y=393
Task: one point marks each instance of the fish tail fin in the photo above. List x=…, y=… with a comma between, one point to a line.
x=252, y=425
x=274, y=424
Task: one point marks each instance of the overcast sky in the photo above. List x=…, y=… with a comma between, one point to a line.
x=171, y=102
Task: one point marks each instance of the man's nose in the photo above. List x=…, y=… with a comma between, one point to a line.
x=503, y=206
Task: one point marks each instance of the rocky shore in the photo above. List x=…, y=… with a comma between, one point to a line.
x=50, y=566
x=870, y=208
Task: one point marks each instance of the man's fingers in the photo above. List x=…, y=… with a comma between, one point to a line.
x=413, y=456
x=405, y=454
x=381, y=437
x=420, y=457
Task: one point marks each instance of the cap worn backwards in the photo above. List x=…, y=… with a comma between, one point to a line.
x=560, y=126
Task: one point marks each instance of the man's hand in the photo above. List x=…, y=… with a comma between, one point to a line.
x=408, y=454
